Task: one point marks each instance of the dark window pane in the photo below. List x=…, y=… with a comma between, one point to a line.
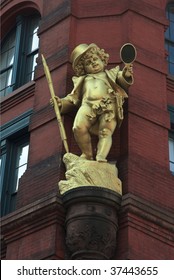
x=172, y=31
x=4, y=59
x=6, y=82
x=7, y=51
x=171, y=68
x=171, y=50
x=171, y=111
x=172, y=13
x=7, y=61
x=169, y=35
x=3, y=80
x=2, y=168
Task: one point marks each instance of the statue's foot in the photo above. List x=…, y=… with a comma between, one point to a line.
x=83, y=156
x=100, y=159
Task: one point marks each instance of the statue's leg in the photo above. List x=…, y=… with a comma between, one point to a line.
x=106, y=130
x=81, y=126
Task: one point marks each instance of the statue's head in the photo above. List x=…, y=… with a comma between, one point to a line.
x=81, y=52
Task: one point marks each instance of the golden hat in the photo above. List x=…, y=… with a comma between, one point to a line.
x=79, y=51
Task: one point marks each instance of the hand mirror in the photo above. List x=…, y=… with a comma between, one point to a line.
x=128, y=53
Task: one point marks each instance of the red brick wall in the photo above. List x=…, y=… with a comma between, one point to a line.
x=140, y=146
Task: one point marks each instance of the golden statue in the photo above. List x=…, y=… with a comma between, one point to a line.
x=99, y=95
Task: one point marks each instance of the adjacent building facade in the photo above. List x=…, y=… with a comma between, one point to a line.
x=33, y=216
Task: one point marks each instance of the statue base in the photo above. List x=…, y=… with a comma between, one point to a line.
x=91, y=222
x=91, y=195
x=81, y=172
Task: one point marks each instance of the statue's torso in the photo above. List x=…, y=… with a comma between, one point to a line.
x=95, y=87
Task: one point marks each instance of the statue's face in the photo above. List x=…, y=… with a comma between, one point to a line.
x=93, y=64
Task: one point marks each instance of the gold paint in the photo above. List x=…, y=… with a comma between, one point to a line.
x=55, y=104
x=98, y=95
x=81, y=172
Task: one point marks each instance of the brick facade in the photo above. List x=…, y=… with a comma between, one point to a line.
x=36, y=229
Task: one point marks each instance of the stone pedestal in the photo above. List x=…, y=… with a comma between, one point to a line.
x=91, y=222
x=81, y=172
x=91, y=195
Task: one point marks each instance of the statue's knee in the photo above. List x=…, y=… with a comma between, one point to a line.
x=105, y=132
x=78, y=129
x=75, y=128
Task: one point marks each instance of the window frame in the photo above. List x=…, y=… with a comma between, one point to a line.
x=19, y=68
x=171, y=132
x=4, y=70
x=9, y=192
x=14, y=134
x=171, y=161
x=169, y=41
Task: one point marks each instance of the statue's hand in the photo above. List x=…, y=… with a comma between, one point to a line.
x=58, y=100
x=128, y=71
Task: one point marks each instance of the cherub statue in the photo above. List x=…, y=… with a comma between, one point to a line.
x=99, y=95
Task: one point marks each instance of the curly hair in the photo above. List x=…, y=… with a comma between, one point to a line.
x=79, y=68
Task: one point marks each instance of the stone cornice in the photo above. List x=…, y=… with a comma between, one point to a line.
x=88, y=10
x=147, y=217
x=147, y=207
x=32, y=217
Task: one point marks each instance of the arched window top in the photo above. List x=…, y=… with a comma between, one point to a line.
x=19, y=53
x=169, y=37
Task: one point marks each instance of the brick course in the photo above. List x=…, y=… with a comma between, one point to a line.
x=140, y=147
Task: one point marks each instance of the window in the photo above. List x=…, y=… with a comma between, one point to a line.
x=171, y=140
x=169, y=37
x=171, y=154
x=7, y=60
x=13, y=159
x=18, y=54
x=16, y=156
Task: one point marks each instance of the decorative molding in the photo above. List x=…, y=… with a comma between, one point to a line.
x=148, y=10
x=3, y=248
x=146, y=217
x=32, y=217
x=86, y=240
x=91, y=222
x=18, y=96
x=4, y=3
x=140, y=7
x=147, y=207
x=15, y=124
